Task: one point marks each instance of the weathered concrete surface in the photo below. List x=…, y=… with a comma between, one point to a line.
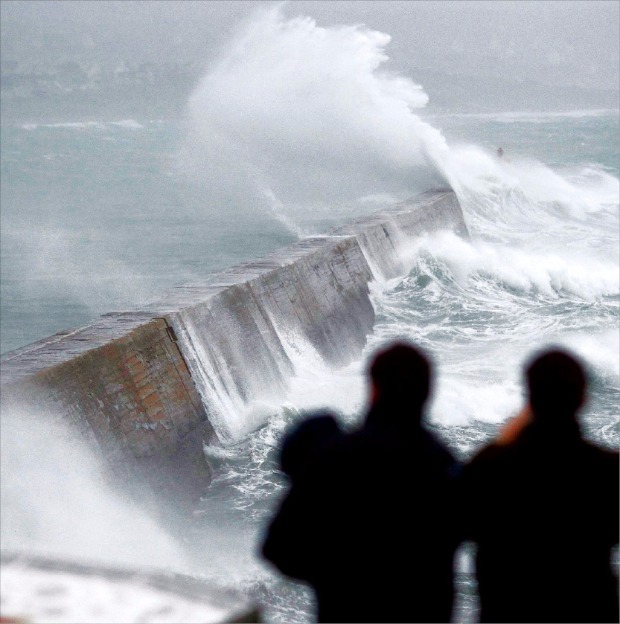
x=237, y=340
x=385, y=236
x=60, y=578
x=124, y=385
x=148, y=387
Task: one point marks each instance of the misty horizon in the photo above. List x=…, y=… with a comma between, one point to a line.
x=62, y=59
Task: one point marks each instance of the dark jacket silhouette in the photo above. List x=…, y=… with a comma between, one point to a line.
x=543, y=510
x=304, y=443
x=371, y=525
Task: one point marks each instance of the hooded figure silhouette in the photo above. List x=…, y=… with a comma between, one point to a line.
x=370, y=525
x=543, y=509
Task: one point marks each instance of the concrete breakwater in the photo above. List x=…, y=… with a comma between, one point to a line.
x=147, y=388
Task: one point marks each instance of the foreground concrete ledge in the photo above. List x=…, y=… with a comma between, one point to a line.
x=37, y=576
x=146, y=388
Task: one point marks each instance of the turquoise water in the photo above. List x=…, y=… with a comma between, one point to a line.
x=294, y=128
x=103, y=216
x=96, y=218
x=541, y=268
x=556, y=139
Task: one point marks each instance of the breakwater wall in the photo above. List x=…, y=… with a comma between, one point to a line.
x=148, y=388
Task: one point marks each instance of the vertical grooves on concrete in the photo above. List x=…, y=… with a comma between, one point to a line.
x=148, y=402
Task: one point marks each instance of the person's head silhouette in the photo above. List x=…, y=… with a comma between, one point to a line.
x=401, y=375
x=303, y=443
x=556, y=383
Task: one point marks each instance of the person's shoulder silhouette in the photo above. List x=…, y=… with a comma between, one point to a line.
x=543, y=508
x=305, y=442
x=370, y=518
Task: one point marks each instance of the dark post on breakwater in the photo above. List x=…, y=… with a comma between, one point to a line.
x=144, y=388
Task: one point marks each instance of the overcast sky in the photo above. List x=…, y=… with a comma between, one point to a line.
x=561, y=43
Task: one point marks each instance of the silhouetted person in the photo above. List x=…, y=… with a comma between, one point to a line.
x=305, y=442
x=543, y=509
x=371, y=525
x=500, y=152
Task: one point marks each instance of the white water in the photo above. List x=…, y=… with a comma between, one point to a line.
x=541, y=267
x=289, y=98
x=56, y=500
x=307, y=115
x=304, y=122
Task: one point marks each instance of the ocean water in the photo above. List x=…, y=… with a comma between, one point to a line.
x=100, y=215
x=541, y=269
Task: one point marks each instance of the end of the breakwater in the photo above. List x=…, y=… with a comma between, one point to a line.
x=148, y=388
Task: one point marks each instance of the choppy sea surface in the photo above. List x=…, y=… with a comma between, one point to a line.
x=296, y=129
x=98, y=216
x=541, y=268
